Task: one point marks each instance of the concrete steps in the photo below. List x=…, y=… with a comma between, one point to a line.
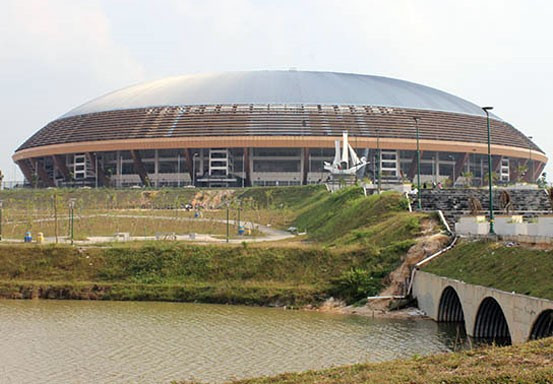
x=455, y=202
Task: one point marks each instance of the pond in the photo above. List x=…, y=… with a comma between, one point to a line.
x=47, y=341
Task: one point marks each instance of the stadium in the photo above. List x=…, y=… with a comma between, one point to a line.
x=272, y=128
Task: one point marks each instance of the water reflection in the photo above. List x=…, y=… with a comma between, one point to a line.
x=106, y=342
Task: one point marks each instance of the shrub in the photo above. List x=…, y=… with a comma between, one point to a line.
x=357, y=284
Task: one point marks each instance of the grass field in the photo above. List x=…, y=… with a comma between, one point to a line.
x=346, y=255
x=109, y=223
x=521, y=268
x=39, y=210
x=529, y=363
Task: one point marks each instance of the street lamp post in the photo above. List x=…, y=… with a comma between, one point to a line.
x=378, y=159
x=194, y=169
x=71, y=220
x=531, y=178
x=487, y=110
x=238, y=216
x=228, y=234
x=96, y=170
x=419, y=199
x=244, y=166
x=178, y=170
x=55, y=204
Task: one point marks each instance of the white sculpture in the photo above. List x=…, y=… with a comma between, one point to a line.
x=342, y=164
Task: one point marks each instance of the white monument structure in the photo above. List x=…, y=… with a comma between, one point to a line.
x=346, y=162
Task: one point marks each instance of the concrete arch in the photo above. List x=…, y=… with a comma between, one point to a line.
x=450, y=309
x=490, y=323
x=543, y=326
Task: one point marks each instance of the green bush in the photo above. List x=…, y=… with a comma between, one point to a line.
x=356, y=284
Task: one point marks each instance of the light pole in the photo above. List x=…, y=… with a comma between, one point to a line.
x=244, y=166
x=227, y=204
x=239, y=209
x=531, y=178
x=178, y=170
x=378, y=159
x=1, y=209
x=487, y=110
x=194, y=169
x=55, y=204
x=419, y=199
x=71, y=219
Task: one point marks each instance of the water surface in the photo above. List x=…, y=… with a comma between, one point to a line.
x=151, y=342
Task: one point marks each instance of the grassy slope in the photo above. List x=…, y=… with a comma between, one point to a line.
x=37, y=199
x=255, y=274
x=520, y=269
x=528, y=363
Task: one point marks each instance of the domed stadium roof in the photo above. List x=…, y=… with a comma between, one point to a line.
x=279, y=87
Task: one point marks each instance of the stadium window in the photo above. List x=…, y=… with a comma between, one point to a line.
x=276, y=152
x=148, y=154
x=168, y=167
x=127, y=169
x=170, y=153
x=150, y=167
x=277, y=166
x=426, y=169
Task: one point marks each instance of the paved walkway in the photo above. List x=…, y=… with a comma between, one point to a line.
x=269, y=233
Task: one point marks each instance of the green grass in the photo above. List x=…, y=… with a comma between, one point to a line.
x=354, y=242
x=284, y=197
x=286, y=275
x=335, y=216
x=102, y=198
x=522, y=364
x=521, y=269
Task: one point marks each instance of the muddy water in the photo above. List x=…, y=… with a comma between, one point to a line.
x=127, y=342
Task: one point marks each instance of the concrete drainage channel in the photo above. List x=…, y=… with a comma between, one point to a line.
x=417, y=266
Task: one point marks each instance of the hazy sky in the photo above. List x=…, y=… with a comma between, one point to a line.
x=55, y=55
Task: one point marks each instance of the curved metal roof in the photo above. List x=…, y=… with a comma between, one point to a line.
x=279, y=87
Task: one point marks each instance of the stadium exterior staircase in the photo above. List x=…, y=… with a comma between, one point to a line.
x=454, y=203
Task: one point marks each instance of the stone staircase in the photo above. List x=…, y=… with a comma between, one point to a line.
x=454, y=202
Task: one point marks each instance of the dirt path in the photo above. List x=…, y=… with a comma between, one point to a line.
x=269, y=234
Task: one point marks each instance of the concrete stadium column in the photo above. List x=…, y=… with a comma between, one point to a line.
x=43, y=175
x=119, y=169
x=26, y=169
x=140, y=168
x=496, y=163
x=413, y=167
x=462, y=159
x=539, y=170
x=61, y=166
x=250, y=162
x=247, y=167
x=304, y=165
x=187, y=153
x=156, y=168
x=98, y=169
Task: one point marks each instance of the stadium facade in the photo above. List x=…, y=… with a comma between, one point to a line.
x=271, y=128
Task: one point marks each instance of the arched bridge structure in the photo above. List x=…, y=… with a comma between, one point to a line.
x=487, y=313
